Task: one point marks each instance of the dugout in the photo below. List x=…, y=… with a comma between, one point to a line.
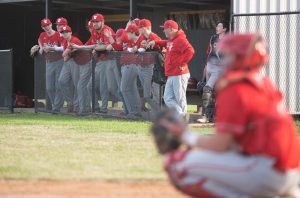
x=20, y=21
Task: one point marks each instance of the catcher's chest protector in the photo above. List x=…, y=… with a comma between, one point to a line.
x=271, y=132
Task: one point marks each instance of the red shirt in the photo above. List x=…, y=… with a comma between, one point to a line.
x=53, y=40
x=101, y=39
x=148, y=58
x=252, y=112
x=131, y=58
x=178, y=55
x=81, y=57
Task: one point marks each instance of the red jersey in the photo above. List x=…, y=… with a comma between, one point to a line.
x=251, y=110
x=81, y=57
x=100, y=39
x=54, y=40
x=131, y=58
x=178, y=55
x=147, y=58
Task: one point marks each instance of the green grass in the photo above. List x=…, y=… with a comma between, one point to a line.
x=43, y=146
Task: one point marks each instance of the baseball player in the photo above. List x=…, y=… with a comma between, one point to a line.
x=179, y=53
x=60, y=22
x=77, y=68
x=146, y=65
x=254, y=151
x=118, y=44
x=97, y=83
x=98, y=43
x=50, y=46
x=129, y=71
x=213, y=69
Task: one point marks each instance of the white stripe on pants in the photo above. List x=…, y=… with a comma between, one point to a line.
x=234, y=175
x=54, y=93
x=145, y=76
x=68, y=81
x=85, y=72
x=175, y=92
x=129, y=88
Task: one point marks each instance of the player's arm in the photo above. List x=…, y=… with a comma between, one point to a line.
x=55, y=48
x=217, y=142
x=100, y=47
x=188, y=52
x=160, y=43
x=83, y=47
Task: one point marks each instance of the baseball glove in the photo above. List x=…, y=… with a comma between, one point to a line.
x=164, y=139
x=34, y=50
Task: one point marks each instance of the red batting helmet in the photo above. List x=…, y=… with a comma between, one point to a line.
x=249, y=50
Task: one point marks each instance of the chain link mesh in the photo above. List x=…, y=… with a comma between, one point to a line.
x=282, y=33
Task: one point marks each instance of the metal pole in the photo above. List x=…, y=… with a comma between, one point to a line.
x=93, y=85
x=12, y=81
x=48, y=8
x=133, y=8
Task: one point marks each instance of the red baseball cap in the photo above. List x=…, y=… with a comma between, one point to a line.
x=65, y=29
x=132, y=28
x=144, y=23
x=170, y=24
x=120, y=32
x=61, y=21
x=97, y=17
x=45, y=22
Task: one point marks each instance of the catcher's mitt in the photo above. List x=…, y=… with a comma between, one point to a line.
x=34, y=50
x=165, y=141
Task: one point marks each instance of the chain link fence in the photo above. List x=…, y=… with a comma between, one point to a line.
x=6, y=80
x=282, y=33
x=110, y=75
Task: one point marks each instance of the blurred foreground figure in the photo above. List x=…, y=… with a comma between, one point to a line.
x=254, y=151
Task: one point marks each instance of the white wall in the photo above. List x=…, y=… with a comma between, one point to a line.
x=282, y=33
x=262, y=6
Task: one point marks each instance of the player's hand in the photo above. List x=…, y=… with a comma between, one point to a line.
x=66, y=58
x=150, y=45
x=144, y=44
x=109, y=48
x=74, y=46
x=41, y=51
x=34, y=49
x=134, y=49
x=47, y=49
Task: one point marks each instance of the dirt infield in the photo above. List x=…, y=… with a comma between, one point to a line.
x=86, y=189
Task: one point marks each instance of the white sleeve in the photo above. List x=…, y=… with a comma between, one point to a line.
x=129, y=49
x=59, y=49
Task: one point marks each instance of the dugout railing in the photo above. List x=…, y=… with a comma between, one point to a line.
x=6, y=80
x=43, y=104
x=282, y=33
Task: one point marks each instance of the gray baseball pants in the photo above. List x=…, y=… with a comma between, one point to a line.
x=129, y=88
x=68, y=81
x=85, y=72
x=175, y=92
x=53, y=70
x=145, y=75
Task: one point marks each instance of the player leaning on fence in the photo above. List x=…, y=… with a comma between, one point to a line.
x=50, y=46
x=178, y=55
